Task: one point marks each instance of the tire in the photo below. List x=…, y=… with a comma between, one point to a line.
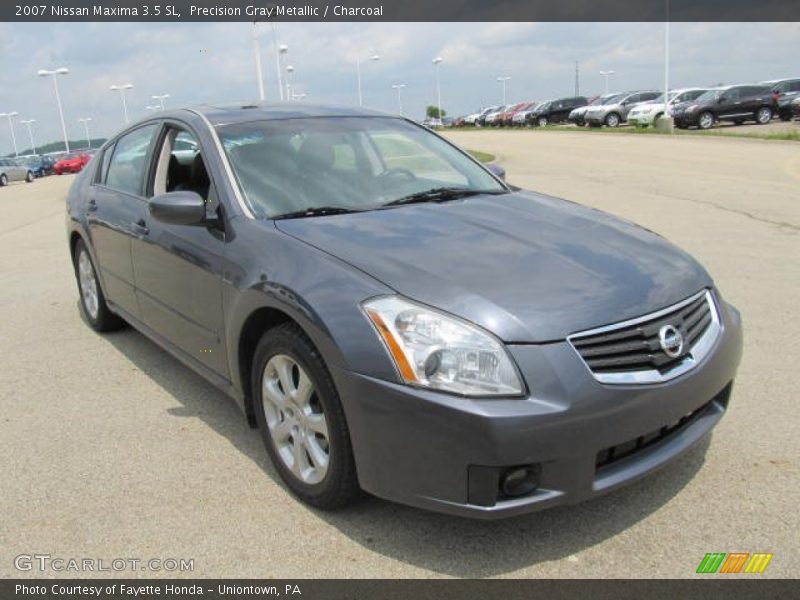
x=542, y=121
x=763, y=115
x=303, y=420
x=3, y=180
x=612, y=120
x=29, y=177
x=705, y=120
x=93, y=303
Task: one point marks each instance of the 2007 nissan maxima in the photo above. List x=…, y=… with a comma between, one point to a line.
x=393, y=316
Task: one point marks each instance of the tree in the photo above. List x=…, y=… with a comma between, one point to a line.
x=432, y=112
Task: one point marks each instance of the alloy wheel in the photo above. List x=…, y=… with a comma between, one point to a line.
x=612, y=120
x=764, y=115
x=88, y=284
x=706, y=120
x=295, y=419
x=3, y=181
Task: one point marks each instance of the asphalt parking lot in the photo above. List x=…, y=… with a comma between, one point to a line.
x=114, y=449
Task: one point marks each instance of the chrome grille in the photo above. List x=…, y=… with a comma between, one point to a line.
x=633, y=352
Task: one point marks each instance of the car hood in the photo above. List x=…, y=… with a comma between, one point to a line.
x=529, y=268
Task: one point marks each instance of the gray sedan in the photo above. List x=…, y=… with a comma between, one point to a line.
x=11, y=170
x=394, y=317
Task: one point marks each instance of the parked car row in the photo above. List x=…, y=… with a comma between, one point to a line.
x=27, y=168
x=700, y=107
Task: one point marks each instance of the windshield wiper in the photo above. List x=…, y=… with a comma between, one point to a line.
x=316, y=211
x=441, y=194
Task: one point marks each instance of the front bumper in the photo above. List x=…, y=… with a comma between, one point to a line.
x=685, y=119
x=433, y=450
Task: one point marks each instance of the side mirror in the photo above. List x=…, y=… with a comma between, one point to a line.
x=178, y=208
x=498, y=171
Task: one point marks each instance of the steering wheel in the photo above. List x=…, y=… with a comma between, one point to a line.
x=397, y=171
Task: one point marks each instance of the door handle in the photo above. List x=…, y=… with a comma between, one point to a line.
x=92, y=205
x=140, y=227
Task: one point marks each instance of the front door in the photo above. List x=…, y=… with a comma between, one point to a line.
x=178, y=268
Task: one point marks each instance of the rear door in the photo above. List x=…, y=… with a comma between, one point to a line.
x=754, y=97
x=178, y=268
x=116, y=210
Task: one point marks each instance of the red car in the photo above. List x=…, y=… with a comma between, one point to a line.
x=508, y=116
x=71, y=164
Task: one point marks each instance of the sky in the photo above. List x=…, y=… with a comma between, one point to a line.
x=214, y=62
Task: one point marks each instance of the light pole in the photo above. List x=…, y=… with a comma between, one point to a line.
x=399, y=87
x=667, y=115
x=436, y=62
x=121, y=89
x=289, y=71
x=28, y=124
x=606, y=75
x=54, y=74
x=85, y=122
x=374, y=58
x=10, y=116
x=504, y=80
x=160, y=99
x=280, y=51
x=257, y=54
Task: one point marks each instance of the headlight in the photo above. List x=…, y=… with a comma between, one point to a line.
x=439, y=351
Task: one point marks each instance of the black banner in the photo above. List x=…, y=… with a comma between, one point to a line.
x=385, y=10
x=732, y=588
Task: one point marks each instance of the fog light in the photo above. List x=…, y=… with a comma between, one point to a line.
x=520, y=481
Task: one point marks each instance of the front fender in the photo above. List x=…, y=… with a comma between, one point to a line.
x=266, y=268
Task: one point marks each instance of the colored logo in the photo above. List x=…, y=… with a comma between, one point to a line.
x=734, y=562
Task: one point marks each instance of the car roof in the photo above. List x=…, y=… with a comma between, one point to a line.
x=263, y=111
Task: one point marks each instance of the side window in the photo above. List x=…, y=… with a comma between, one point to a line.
x=731, y=94
x=399, y=152
x=101, y=176
x=344, y=158
x=631, y=99
x=648, y=96
x=128, y=162
x=181, y=166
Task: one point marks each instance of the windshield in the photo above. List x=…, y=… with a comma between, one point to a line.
x=355, y=163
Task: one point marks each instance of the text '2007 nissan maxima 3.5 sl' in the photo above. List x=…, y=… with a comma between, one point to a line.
x=393, y=316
